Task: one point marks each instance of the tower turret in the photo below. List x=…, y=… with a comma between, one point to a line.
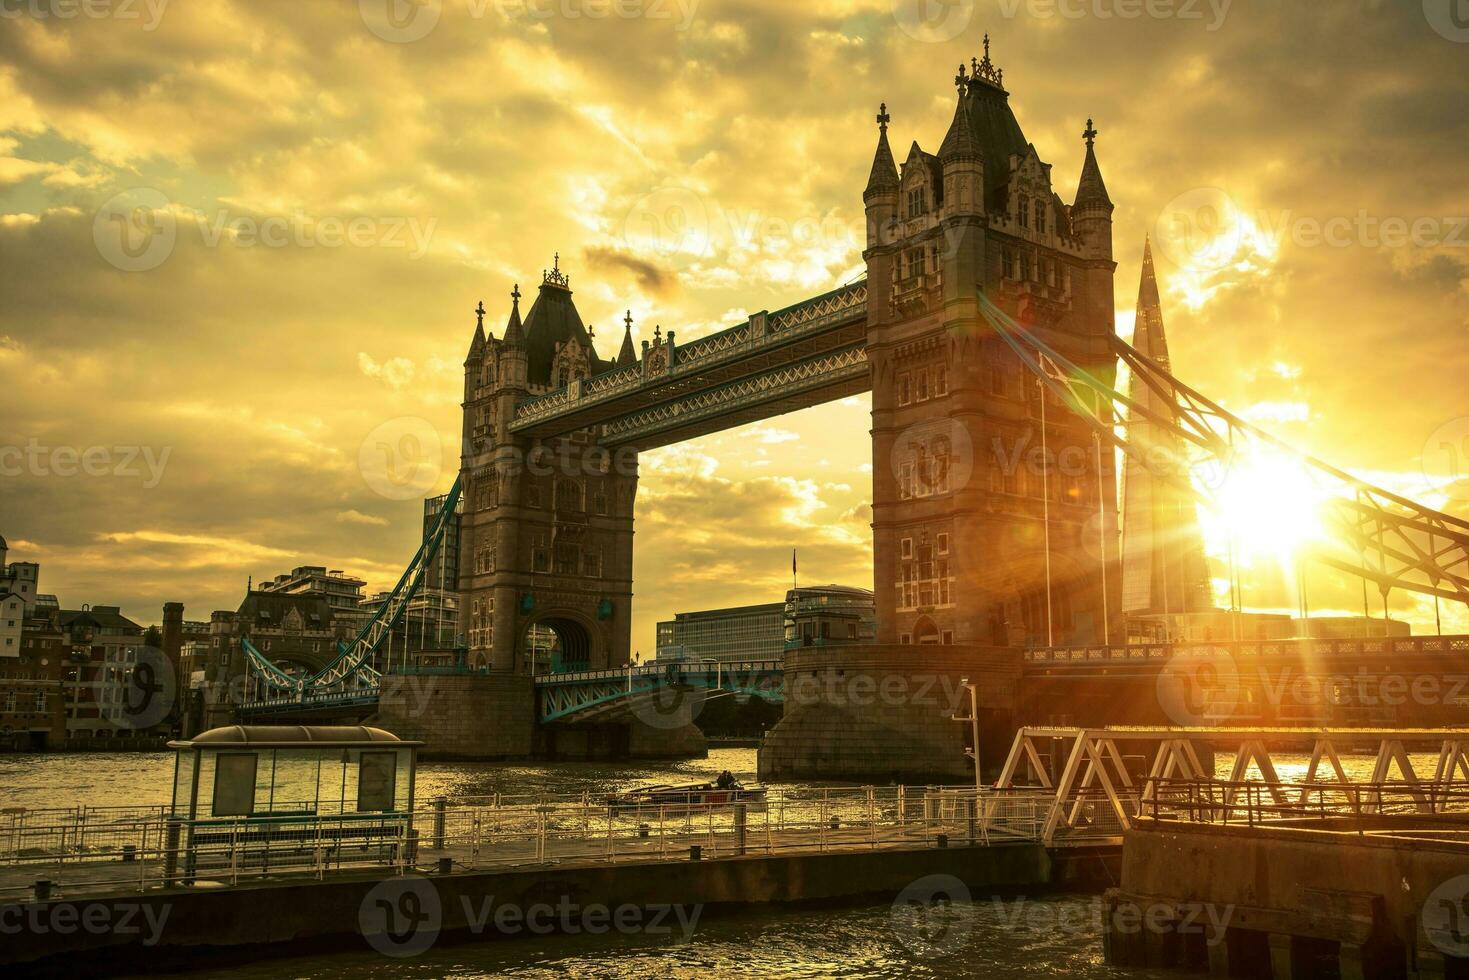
x=881, y=195
x=513, y=355
x=1091, y=215
x=962, y=157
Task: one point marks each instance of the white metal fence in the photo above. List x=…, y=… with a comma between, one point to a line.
x=57, y=853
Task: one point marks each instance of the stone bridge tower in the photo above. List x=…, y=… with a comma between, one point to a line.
x=546, y=546
x=989, y=527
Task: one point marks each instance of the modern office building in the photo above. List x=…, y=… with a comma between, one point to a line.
x=808, y=616
x=737, y=633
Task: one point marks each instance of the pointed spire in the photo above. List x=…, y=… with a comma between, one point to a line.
x=1147, y=333
x=960, y=143
x=628, y=355
x=477, y=343
x=1147, y=290
x=884, y=176
x=514, y=333
x=1090, y=190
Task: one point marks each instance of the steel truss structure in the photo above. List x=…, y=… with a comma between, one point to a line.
x=351, y=677
x=1092, y=786
x=592, y=694
x=1379, y=536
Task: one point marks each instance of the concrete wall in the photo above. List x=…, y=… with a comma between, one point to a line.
x=461, y=716
x=874, y=713
x=344, y=911
x=1286, y=891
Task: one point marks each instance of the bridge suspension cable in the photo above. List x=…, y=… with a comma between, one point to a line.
x=353, y=672
x=1380, y=537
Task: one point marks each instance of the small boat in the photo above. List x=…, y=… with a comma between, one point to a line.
x=688, y=795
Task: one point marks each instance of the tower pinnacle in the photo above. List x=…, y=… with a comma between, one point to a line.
x=884, y=176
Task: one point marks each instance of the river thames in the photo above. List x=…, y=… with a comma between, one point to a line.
x=990, y=936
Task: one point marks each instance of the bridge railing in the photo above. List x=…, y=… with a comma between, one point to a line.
x=1157, y=652
x=81, y=850
x=1261, y=803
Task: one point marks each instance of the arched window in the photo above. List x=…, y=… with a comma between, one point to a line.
x=1040, y=217
x=1024, y=211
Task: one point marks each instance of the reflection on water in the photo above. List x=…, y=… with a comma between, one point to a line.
x=990, y=937
x=133, y=778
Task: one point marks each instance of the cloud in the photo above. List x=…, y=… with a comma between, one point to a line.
x=357, y=517
x=654, y=280
x=264, y=368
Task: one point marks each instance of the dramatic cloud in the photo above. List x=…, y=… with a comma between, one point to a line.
x=244, y=240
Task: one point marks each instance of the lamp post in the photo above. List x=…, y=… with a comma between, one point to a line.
x=973, y=720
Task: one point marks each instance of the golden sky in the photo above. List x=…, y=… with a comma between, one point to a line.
x=330, y=190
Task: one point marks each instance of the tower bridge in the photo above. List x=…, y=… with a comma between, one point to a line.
x=984, y=330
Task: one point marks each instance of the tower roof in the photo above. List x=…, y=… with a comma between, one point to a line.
x=884, y=176
x=960, y=142
x=993, y=134
x=553, y=319
x=1090, y=190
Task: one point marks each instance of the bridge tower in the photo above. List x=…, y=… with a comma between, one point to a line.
x=994, y=508
x=546, y=546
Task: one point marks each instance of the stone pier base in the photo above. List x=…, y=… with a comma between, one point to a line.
x=1354, y=898
x=461, y=716
x=877, y=713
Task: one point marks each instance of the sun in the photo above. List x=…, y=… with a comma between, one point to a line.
x=1264, y=506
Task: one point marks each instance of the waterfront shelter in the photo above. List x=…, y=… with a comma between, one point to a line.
x=293, y=771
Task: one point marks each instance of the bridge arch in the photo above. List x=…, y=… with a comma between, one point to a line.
x=561, y=641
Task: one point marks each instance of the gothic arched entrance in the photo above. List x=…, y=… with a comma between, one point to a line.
x=556, y=644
